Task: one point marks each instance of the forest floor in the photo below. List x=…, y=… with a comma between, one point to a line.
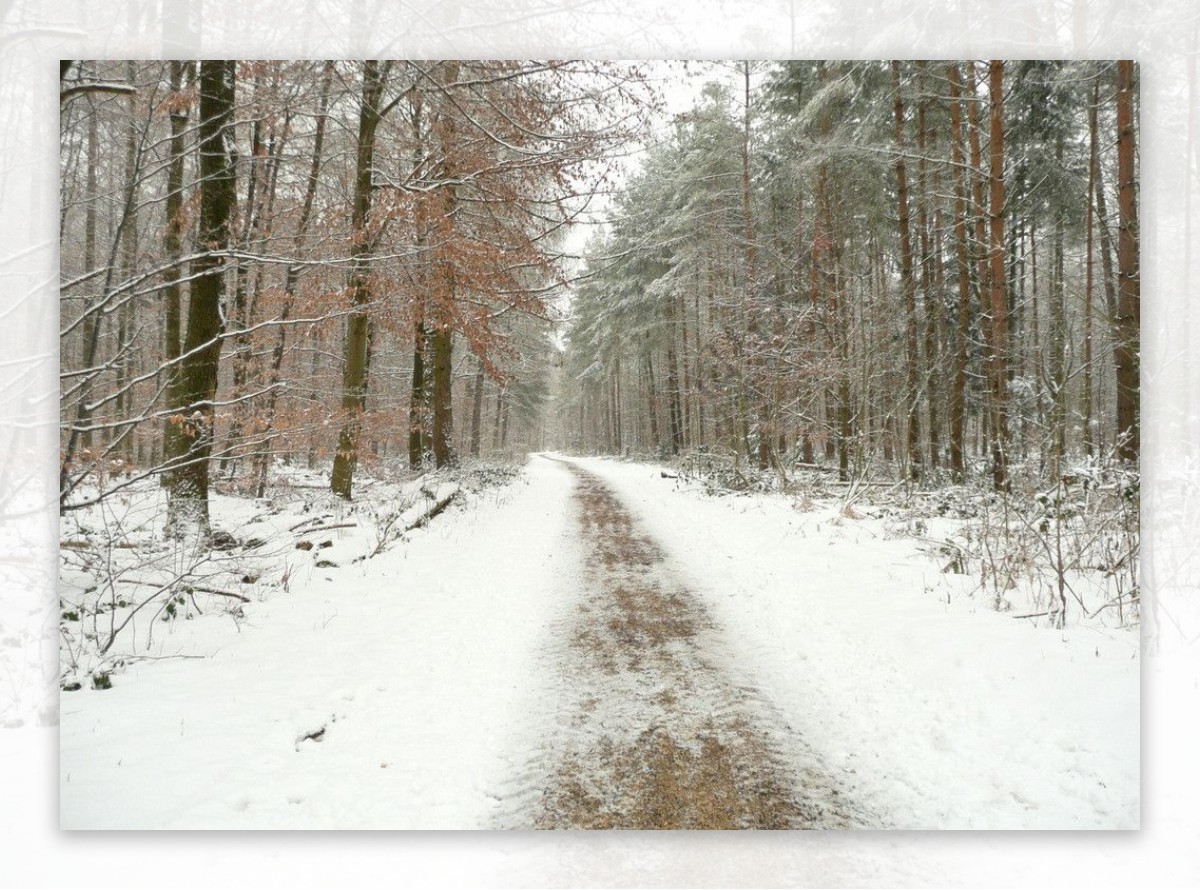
x=594, y=644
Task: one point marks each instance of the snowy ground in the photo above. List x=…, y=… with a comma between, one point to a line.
x=945, y=713
x=379, y=694
x=414, y=687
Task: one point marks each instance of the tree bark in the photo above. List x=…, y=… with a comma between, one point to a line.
x=89, y=253
x=908, y=286
x=445, y=285
x=354, y=372
x=958, y=392
x=418, y=403
x=932, y=384
x=477, y=410
x=173, y=242
x=1089, y=438
x=999, y=297
x=442, y=346
x=1129, y=282
x=197, y=381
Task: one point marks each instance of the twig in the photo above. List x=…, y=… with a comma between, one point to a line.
x=325, y=528
x=307, y=521
x=195, y=587
x=77, y=544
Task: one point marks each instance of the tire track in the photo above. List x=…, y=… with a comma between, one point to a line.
x=652, y=731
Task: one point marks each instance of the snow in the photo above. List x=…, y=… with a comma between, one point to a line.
x=946, y=713
x=410, y=689
x=414, y=663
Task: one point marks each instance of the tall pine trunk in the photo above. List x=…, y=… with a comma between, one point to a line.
x=932, y=384
x=908, y=286
x=999, y=296
x=1058, y=337
x=1129, y=283
x=1089, y=436
x=958, y=392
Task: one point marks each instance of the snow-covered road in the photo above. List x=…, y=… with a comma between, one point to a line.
x=446, y=682
x=654, y=725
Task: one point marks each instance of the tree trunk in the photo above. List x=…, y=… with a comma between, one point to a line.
x=999, y=297
x=1089, y=438
x=477, y=411
x=958, y=392
x=354, y=371
x=173, y=243
x=753, y=308
x=89, y=255
x=932, y=384
x=123, y=447
x=445, y=285
x=442, y=346
x=674, y=414
x=1058, y=339
x=908, y=286
x=1129, y=283
x=197, y=381
x=652, y=396
x=418, y=404
x=498, y=429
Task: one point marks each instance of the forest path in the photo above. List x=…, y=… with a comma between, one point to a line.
x=652, y=729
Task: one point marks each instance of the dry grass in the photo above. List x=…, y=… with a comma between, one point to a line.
x=693, y=760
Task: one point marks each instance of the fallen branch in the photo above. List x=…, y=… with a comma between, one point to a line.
x=307, y=521
x=113, y=88
x=194, y=587
x=76, y=544
x=325, y=528
x=433, y=511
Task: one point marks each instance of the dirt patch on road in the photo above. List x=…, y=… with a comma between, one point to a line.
x=660, y=783
x=661, y=737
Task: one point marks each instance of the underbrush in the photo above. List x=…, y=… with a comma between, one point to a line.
x=1070, y=548
x=130, y=592
x=1056, y=553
